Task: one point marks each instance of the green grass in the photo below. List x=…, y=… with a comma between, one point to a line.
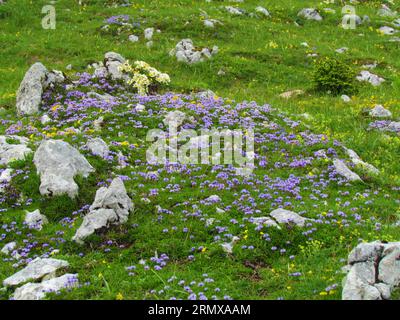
x=261, y=58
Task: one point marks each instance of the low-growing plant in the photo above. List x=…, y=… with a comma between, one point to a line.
x=334, y=76
x=143, y=77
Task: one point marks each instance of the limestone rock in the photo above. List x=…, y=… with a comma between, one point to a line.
x=356, y=160
x=57, y=163
x=36, y=80
x=8, y=248
x=37, y=291
x=35, y=270
x=5, y=178
x=186, y=52
x=380, y=112
x=283, y=216
x=373, y=79
x=29, y=95
x=310, y=14
x=264, y=221
x=344, y=171
x=110, y=207
x=98, y=147
x=35, y=219
x=11, y=151
x=292, y=93
x=373, y=271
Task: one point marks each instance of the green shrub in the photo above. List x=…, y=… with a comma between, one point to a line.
x=334, y=76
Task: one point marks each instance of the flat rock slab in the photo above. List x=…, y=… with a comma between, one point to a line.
x=13, y=151
x=344, y=171
x=37, y=291
x=283, y=216
x=35, y=270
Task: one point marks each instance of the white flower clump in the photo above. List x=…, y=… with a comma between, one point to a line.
x=142, y=75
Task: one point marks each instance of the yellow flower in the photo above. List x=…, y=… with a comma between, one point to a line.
x=119, y=296
x=124, y=143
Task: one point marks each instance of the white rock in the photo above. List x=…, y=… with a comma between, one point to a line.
x=310, y=14
x=234, y=11
x=387, y=30
x=140, y=108
x=35, y=219
x=265, y=221
x=370, y=77
x=345, y=98
x=37, y=291
x=110, y=207
x=344, y=171
x=389, y=266
x=45, y=119
x=98, y=147
x=186, y=52
x=374, y=271
x=380, y=112
x=356, y=284
x=366, y=252
x=8, y=248
x=29, y=95
x=390, y=126
x=283, y=216
x=133, y=38
x=355, y=159
x=148, y=33
x=342, y=50
x=213, y=198
x=104, y=97
x=10, y=151
x=35, y=270
x=57, y=163
x=5, y=178
x=262, y=11
x=36, y=80
x=112, y=62
x=208, y=23
x=228, y=246
x=207, y=94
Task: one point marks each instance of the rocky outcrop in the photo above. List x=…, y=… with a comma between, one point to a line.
x=110, y=207
x=98, y=147
x=186, y=52
x=57, y=163
x=356, y=160
x=310, y=14
x=110, y=67
x=13, y=148
x=36, y=80
x=344, y=171
x=37, y=269
x=380, y=112
x=373, y=271
x=283, y=216
x=366, y=76
x=37, y=291
x=35, y=219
